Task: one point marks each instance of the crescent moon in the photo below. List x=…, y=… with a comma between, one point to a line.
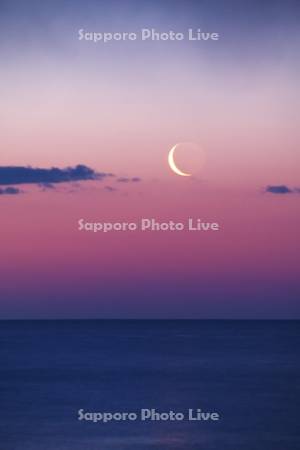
x=173, y=165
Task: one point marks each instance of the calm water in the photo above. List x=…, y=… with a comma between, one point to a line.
x=247, y=371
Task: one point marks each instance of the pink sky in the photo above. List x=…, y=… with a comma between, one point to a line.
x=119, y=110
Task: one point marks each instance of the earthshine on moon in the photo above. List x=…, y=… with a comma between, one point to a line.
x=173, y=165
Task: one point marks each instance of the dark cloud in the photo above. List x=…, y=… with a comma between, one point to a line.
x=128, y=180
x=46, y=177
x=280, y=189
x=10, y=191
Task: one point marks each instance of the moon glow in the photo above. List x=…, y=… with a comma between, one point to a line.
x=173, y=165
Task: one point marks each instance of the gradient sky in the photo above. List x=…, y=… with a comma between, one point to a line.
x=118, y=108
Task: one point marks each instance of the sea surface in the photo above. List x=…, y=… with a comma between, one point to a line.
x=246, y=371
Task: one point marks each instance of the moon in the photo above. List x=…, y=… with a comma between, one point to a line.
x=173, y=165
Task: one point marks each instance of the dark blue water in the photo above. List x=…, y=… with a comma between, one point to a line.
x=246, y=371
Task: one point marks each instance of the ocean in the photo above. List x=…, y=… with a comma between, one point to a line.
x=246, y=372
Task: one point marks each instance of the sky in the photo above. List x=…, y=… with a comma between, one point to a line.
x=105, y=115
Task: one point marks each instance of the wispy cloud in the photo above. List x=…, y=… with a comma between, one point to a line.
x=109, y=189
x=128, y=180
